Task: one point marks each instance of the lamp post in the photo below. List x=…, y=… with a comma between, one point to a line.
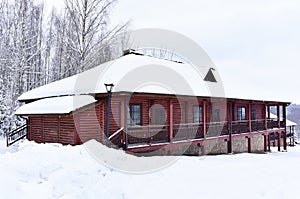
x=109, y=88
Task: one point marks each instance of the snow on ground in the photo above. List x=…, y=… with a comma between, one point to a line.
x=33, y=170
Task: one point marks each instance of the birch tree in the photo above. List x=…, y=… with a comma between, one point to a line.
x=90, y=35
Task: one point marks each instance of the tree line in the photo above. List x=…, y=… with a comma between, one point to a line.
x=37, y=48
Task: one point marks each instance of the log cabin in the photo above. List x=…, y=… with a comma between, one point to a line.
x=150, y=120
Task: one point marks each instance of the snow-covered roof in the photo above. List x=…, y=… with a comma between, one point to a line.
x=288, y=122
x=56, y=105
x=126, y=73
x=140, y=74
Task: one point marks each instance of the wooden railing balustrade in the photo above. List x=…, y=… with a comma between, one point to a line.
x=188, y=131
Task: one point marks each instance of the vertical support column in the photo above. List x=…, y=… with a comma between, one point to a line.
x=249, y=117
x=230, y=127
x=170, y=120
x=204, y=118
x=269, y=143
x=249, y=144
x=126, y=114
x=266, y=116
x=265, y=143
x=278, y=115
x=284, y=126
x=278, y=140
x=123, y=122
x=28, y=128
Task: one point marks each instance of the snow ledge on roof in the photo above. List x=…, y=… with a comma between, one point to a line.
x=56, y=105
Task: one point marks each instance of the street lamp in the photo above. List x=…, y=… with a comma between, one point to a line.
x=109, y=88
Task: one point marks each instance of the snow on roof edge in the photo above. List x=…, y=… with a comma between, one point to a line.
x=56, y=105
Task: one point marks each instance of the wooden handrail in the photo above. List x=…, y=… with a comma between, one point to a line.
x=20, y=131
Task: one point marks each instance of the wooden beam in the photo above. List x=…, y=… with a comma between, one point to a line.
x=249, y=144
x=265, y=143
x=170, y=120
x=265, y=116
x=278, y=140
x=278, y=115
x=123, y=120
x=284, y=125
x=269, y=143
x=249, y=117
x=204, y=118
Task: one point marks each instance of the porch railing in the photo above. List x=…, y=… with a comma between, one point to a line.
x=16, y=135
x=148, y=134
x=188, y=131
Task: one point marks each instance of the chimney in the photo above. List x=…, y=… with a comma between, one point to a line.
x=131, y=51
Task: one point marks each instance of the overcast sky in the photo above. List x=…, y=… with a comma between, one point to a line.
x=255, y=44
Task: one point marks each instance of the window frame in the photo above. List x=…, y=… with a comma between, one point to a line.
x=197, y=117
x=131, y=115
x=240, y=114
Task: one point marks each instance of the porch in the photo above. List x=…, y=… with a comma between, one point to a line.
x=142, y=138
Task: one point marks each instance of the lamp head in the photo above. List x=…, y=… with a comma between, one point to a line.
x=109, y=87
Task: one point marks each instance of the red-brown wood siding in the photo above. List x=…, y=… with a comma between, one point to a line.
x=50, y=129
x=87, y=124
x=36, y=129
x=259, y=109
x=69, y=129
x=66, y=130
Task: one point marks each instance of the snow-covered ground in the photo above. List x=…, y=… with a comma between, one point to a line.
x=33, y=170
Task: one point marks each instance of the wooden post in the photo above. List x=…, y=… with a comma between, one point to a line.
x=229, y=146
x=249, y=117
x=231, y=115
x=249, y=144
x=278, y=139
x=204, y=118
x=278, y=115
x=269, y=143
x=265, y=116
x=265, y=143
x=126, y=106
x=123, y=122
x=171, y=120
x=284, y=126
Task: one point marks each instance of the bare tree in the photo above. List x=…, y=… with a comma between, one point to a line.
x=89, y=21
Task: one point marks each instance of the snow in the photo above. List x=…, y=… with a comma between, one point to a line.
x=135, y=73
x=56, y=171
x=288, y=122
x=120, y=72
x=56, y=105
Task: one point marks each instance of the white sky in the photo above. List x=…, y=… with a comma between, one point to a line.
x=255, y=44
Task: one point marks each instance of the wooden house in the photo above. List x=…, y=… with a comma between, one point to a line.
x=75, y=110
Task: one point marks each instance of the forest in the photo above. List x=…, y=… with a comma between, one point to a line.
x=38, y=46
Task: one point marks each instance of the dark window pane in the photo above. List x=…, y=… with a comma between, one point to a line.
x=241, y=113
x=197, y=117
x=134, y=115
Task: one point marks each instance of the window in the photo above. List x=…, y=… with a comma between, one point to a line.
x=216, y=115
x=253, y=114
x=159, y=116
x=241, y=113
x=197, y=114
x=134, y=115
